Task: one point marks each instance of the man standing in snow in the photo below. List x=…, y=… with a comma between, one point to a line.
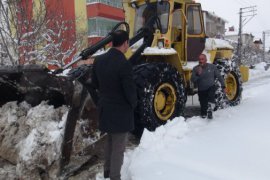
x=204, y=75
x=112, y=77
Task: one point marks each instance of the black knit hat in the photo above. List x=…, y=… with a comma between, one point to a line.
x=119, y=37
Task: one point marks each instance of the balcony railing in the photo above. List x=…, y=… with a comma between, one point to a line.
x=100, y=26
x=100, y=33
x=114, y=3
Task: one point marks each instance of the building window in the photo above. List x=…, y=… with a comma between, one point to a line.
x=100, y=26
x=114, y=3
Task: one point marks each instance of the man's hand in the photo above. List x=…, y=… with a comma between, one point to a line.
x=199, y=70
x=87, y=61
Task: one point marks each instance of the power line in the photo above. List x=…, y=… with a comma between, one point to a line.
x=247, y=2
x=240, y=3
x=245, y=15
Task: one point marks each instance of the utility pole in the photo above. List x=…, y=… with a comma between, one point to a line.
x=264, y=34
x=239, y=45
x=246, y=14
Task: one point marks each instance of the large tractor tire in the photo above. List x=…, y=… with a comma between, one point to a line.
x=161, y=95
x=232, y=78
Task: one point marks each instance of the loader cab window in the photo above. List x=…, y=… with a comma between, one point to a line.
x=177, y=25
x=146, y=12
x=194, y=20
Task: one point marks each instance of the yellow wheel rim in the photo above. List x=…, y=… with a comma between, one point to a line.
x=164, y=101
x=231, y=87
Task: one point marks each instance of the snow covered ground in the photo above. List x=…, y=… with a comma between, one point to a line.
x=235, y=145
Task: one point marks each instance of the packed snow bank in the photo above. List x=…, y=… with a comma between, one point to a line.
x=32, y=137
x=259, y=71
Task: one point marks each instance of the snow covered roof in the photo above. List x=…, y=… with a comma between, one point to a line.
x=231, y=33
x=257, y=41
x=214, y=15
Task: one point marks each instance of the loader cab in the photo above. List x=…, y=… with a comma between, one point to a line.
x=181, y=23
x=146, y=13
x=187, y=33
x=195, y=40
x=178, y=30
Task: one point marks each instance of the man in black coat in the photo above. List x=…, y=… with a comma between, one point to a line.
x=113, y=78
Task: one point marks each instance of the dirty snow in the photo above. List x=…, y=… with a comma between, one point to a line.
x=31, y=139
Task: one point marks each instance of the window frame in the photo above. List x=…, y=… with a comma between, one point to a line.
x=194, y=24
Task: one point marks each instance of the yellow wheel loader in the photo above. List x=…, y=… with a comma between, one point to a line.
x=164, y=58
x=166, y=38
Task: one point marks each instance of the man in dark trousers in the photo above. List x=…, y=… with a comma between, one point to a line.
x=204, y=75
x=113, y=78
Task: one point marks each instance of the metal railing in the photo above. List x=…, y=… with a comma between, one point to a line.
x=99, y=32
x=100, y=26
x=114, y=3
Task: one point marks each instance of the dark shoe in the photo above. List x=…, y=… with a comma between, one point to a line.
x=209, y=115
x=106, y=174
x=203, y=116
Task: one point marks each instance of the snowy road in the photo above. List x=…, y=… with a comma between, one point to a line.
x=235, y=145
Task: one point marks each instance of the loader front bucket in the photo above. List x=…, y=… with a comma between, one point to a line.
x=33, y=84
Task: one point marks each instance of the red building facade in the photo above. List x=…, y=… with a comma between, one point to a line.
x=93, y=19
x=102, y=16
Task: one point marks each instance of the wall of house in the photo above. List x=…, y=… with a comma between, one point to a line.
x=214, y=25
x=70, y=12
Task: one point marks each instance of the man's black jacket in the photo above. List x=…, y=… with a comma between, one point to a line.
x=113, y=77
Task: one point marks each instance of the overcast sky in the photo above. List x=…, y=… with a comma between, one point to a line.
x=229, y=10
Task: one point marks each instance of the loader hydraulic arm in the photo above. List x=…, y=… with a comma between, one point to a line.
x=94, y=48
x=146, y=32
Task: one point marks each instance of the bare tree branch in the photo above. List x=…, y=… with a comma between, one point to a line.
x=31, y=33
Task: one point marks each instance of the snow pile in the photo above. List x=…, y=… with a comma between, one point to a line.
x=7, y=170
x=158, y=51
x=258, y=71
x=32, y=138
x=154, y=144
x=213, y=44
